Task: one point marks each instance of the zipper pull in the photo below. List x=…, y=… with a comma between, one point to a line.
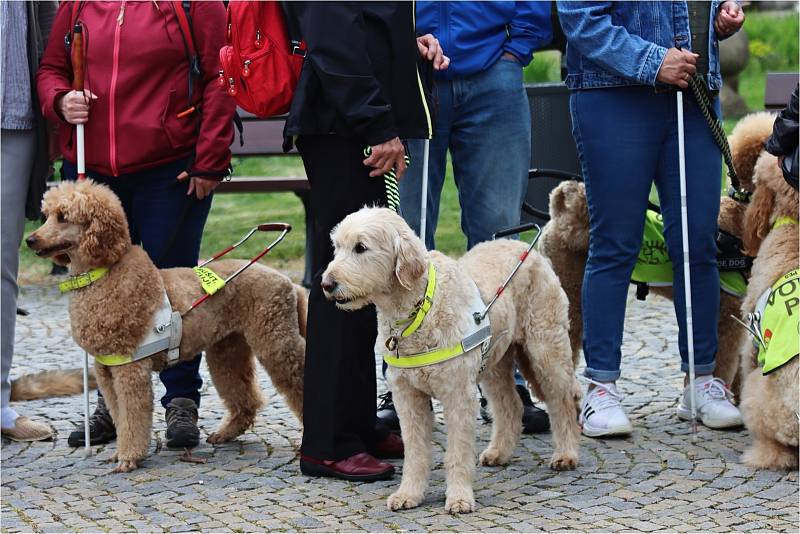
x=231, y=87
x=259, y=42
x=246, y=69
x=121, y=16
x=221, y=78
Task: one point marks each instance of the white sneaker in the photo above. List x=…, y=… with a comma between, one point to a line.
x=601, y=413
x=714, y=407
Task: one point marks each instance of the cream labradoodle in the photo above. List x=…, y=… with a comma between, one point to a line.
x=379, y=260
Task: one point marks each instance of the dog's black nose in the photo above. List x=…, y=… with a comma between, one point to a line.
x=328, y=284
x=30, y=240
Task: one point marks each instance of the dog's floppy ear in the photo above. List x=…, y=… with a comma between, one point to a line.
x=410, y=258
x=756, y=219
x=558, y=201
x=106, y=238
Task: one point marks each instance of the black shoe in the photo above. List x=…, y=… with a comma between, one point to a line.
x=101, y=428
x=386, y=412
x=182, y=431
x=485, y=415
x=534, y=419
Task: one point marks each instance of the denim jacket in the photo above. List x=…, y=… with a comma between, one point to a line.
x=611, y=44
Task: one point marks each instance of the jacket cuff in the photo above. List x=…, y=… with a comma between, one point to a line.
x=381, y=130
x=652, y=64
x=523, y=56
x=49, y=105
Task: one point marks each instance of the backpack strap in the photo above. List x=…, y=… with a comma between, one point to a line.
x=183, y=13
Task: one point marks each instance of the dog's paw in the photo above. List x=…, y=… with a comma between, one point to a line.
x=126, y=466
x=564, y=462
x=493, y=456
x=462, y=504
x=401, y=500
x=220, y=437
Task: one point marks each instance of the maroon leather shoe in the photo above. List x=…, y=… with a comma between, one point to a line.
x=361, y=467
x=391, y=447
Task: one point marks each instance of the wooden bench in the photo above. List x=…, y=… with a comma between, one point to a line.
x=264, y=137
x=778, y=89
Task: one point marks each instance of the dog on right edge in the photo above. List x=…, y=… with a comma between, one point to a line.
x=378, y=260
x=770, y=388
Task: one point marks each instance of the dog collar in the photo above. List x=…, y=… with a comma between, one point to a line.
x=79, y=281
x=783, y=221
x=414, y=320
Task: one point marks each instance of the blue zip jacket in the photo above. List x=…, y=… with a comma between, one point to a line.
x=475, y=34
x=612, y=44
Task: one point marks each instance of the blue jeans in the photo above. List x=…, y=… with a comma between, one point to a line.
x=627, y=138
x=485, y=122
x=153, y=201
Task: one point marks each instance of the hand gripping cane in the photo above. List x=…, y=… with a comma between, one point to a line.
x=77, y=84
x=687, y=281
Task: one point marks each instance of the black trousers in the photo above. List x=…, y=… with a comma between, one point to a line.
x=339, y=401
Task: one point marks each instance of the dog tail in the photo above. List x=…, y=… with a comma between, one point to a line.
x=55, y=383
x=302, y=308
x=747, y=141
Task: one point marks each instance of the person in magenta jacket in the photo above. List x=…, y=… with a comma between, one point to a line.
x=156, y=135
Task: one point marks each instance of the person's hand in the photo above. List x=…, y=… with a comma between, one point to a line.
x=678, y=67
x=730, y=18
x=385, y=156
x=74, y=106
x=430, y=49
x=512, y=57
x=202, y=187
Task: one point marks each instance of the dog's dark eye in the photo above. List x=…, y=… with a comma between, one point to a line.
x=360, y=248
x=60, y=218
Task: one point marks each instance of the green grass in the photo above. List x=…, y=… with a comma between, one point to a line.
x=773, y=48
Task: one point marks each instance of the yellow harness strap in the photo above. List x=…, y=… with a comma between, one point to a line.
x=423, y=307
x=82, y=280
x=110, y=360
x=424, y=358
x=783, y=221
x=210, y=280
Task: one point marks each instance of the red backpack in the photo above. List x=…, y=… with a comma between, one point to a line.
x=260, y=64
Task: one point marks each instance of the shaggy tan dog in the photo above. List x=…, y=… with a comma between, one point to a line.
x=565, y=241
x=770, y=403
x=260, y=314
x=379, y=260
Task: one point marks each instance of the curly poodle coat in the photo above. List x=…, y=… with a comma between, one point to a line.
x=378, y=260
x=260, y=314
x=770, y=402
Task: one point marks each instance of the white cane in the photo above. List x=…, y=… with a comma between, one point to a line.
x=687, y=281
x=81, y=153
x=424, y=206
x=77, y=58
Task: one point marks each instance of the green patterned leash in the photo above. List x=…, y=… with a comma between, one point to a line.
x=700, y=92
x=390, y=182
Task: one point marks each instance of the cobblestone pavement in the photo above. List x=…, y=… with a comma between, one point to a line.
x=658, y=479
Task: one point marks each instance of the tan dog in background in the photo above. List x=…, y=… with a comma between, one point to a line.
x=770, y=402
x=379, y=260
x=261, y=314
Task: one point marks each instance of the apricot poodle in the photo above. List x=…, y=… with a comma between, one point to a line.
x=260, y=314
x=770, y=400
x=378, y=260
